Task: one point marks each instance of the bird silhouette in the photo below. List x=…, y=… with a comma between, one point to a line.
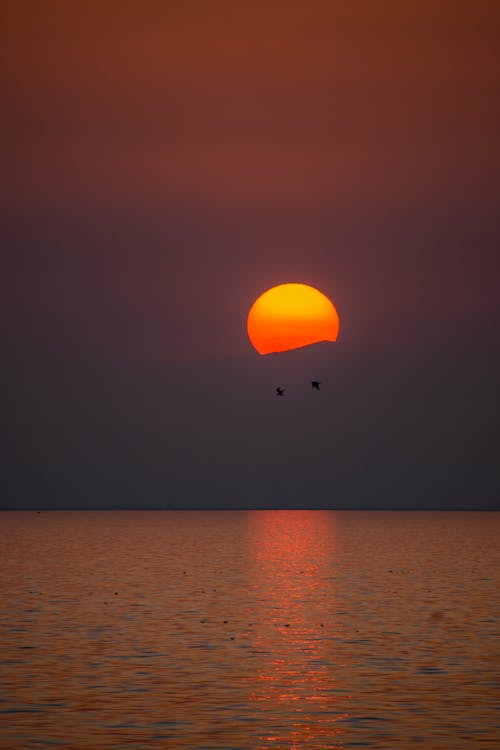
x=280, y=391
x=316, y=384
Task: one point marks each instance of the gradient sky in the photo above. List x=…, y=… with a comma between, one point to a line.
x=163, y=165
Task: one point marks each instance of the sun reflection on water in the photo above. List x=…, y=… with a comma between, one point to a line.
x=295, y=554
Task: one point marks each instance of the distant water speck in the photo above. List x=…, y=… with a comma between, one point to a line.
x=249, y=630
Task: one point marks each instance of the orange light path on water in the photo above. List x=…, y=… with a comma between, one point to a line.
x=292, y=566
x=290, y=316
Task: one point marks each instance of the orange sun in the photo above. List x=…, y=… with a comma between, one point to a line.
x=289, y=316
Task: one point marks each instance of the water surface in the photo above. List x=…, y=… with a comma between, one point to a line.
x=258, y=630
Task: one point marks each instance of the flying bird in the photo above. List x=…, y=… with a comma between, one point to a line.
x=316, y=384
x=280, y=391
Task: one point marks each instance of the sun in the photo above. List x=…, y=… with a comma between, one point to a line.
x=289, y=316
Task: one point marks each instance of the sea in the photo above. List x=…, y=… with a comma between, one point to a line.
x=249, y=630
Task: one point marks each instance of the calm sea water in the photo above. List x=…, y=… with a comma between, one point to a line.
x=249, y=630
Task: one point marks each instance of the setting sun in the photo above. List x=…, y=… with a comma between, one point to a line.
x=290, y=316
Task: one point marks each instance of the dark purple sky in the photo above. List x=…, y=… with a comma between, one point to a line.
x=164, y=164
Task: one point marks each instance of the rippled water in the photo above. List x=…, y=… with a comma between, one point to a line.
x=249, y=630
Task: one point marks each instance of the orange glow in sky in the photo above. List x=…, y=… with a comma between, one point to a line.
x=289, y=316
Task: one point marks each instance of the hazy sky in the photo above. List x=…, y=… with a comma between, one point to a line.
x=165, y=163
